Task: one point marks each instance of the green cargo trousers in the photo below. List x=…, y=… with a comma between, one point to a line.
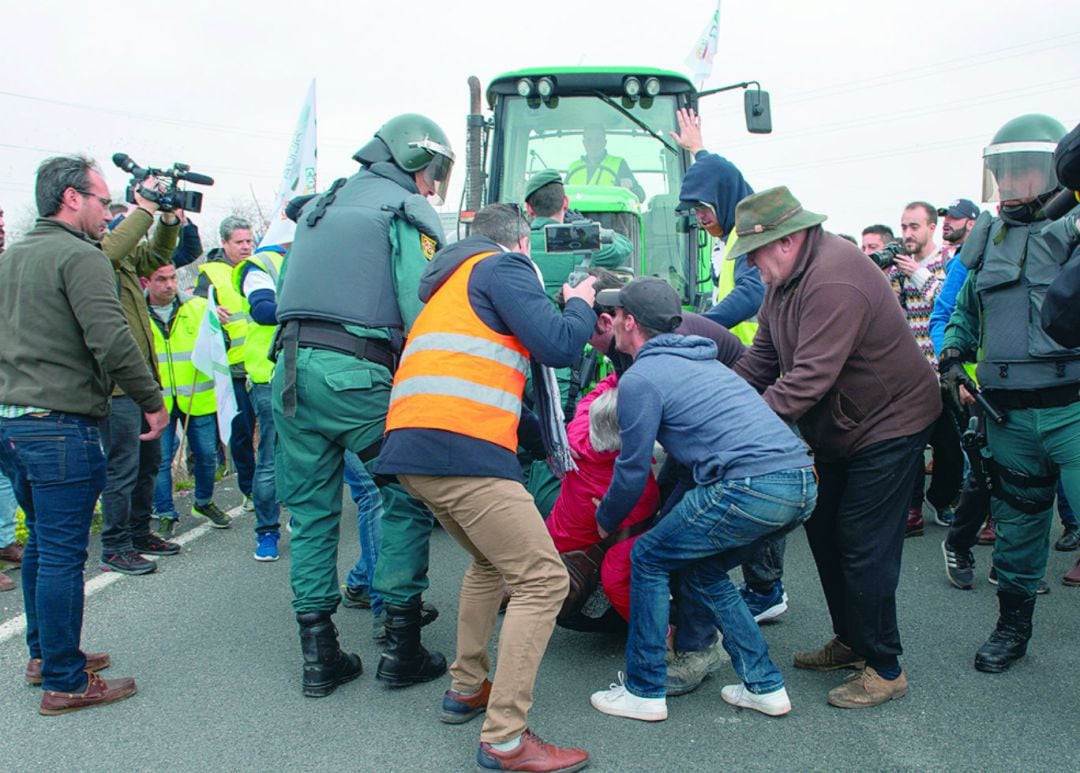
x=341, y=404
x=1033, y=441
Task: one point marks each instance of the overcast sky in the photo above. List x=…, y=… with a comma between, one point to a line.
x=874, y=103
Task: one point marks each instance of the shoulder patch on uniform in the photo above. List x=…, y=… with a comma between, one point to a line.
x=427, y=245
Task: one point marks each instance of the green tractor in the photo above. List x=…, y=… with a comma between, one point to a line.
x=554, y=118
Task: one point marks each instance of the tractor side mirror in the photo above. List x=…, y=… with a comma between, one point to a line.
x=758, y=114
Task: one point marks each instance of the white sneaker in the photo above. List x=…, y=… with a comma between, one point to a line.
x=619, y=702
x=775, y=703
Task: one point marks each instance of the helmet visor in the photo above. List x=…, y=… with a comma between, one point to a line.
x=1018, y=171
x=437, y=176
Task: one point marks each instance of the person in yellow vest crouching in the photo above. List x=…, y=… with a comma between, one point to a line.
x=256, y=278
x=189, y=399
x=237, y=244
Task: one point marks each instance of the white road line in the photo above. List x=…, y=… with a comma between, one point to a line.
x=16, y=626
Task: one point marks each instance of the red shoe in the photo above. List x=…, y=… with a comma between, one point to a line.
x=915, y=523
x=12, y=553
x=988, y=535
x=532, y=756
x=98, y=692
x=95, y=661
x=1072, y=577
x=458, y=708
x=6, y=583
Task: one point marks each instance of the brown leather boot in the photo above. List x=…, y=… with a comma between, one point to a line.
x=12, y=553
x=532, y=754
x=989, y=534
x=95, y=661
x=98, y=692
x=1072, y=577
x=915, y=523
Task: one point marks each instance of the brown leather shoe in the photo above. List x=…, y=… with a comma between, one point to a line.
x=988, y=535
x=12, y=553
x=95, y=661
x=98, y=692
x=532, y=755
x=1072, y=577
x=834, y=655
x=6, y=583
x=866, y=689
x=458, y=708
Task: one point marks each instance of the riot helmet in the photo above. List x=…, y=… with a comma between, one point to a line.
x=415, y=144
x=1018, y=164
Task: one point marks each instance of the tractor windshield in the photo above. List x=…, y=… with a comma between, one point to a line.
x=614, y=171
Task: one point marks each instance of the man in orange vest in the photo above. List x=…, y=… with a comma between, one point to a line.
x=453, y=431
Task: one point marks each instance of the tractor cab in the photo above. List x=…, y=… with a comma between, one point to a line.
x=606, y=132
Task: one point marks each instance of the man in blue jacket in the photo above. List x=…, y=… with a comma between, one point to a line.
x=749, y=486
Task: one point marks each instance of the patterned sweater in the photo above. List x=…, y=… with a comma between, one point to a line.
x=916, y=294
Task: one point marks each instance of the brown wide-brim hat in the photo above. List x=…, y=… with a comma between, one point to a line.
x=762, y=218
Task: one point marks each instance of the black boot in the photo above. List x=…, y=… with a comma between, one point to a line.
x=405, y=661
x=1008, y=642
x=325, y=665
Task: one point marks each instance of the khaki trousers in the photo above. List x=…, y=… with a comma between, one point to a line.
x=497, y=521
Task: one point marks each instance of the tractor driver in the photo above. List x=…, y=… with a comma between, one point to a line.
x=598, y=167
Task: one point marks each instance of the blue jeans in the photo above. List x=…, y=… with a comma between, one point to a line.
x=129, y=487
x=369, y=512
x=57, y=470
x=240, y=441
x=202, y=440
x=267, y=510
x=713, y=529
x=8, y=506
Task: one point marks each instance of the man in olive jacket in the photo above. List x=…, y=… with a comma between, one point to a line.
x=128, y=498
x=65, y=344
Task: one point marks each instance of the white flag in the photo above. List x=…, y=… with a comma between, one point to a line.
x=700, y=59
x=210, y=357
x=299, y=176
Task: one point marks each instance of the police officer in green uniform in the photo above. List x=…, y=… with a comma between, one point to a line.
x=346, y=298
x=1012, y=259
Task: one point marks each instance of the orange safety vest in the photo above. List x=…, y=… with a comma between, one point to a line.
x=456, y=373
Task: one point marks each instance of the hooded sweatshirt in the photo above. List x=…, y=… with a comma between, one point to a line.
x=717, y=182
x=709, y=420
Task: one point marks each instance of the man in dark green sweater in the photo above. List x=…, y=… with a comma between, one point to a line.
x=66, y=342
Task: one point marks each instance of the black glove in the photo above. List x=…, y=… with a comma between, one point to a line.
x=952, y=374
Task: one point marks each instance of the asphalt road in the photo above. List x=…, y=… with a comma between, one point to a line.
x=213, y=645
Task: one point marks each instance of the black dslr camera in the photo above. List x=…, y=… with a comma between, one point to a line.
x=580, y=236
x=886, y=256
x=171, y=197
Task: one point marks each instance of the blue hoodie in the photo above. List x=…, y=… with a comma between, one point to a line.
x=709, y=420
x=716, y=181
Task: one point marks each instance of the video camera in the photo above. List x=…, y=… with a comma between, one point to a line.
x=886, y=256
x=583, y=237
x=171, y=198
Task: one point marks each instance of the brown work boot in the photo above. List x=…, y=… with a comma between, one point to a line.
x=95, y=661
x=98, y=692
x=915, y=523
x=988, y=535
x=532, y=755
x=12, y=553
x=866, y=689
x=1072, y=577
x=6, y=583
x=832, y=656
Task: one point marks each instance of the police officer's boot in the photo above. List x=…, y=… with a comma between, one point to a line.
x=405, y=661
x=1008, y=642
x=325, y=665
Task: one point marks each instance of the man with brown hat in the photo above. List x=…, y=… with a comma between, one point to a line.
x=864, y=398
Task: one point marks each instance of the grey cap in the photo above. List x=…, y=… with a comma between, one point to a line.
x=652, y=302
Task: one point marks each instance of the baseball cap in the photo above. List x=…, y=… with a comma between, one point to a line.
x=652, y=301
x=960, y=208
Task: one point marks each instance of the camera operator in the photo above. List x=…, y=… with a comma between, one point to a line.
x=132, y=467
x=917, y=277
x=1012, y=259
